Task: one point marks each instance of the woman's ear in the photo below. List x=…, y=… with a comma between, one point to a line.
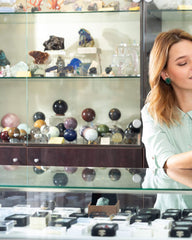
x=164, y=75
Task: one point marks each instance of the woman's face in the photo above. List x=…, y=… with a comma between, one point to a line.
x=179, y=66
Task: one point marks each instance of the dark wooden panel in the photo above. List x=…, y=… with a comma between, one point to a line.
x=13, y=155
x=93, y=156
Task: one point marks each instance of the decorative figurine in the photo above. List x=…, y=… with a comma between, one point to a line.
x=39, y=57
x=114, y=114
x=60, y=107
x=88, y=114
x=54, y=43
x=85, y=38
x=3, y=60
x=10, y=120
x=70, y=123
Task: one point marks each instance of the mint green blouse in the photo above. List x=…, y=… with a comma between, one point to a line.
x=161, y=141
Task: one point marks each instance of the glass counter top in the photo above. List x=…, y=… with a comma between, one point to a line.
x=120, y=180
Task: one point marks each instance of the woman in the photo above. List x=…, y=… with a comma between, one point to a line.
x=167, y=114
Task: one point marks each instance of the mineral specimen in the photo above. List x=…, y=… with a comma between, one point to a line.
x=85, y=38
x=3, y=60
x=39, y=57
x=54, y=43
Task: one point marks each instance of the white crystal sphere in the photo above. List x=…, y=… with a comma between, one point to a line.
x=90, y=134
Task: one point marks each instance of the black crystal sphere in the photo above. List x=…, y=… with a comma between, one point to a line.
x=61, y=128
x=60, y=107
x=114, y=114
x=60, y=179
x=38, y=116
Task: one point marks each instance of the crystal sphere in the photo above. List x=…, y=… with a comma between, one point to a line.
x=4, y=136
x=114, y=114
x=53, y=132
x=10, y=120
x=88, y=114
x=14, y=132
x=82, y=129
x=70, y=135
x=25, y=127
x=90, y=134
x=38, y=115
x=102, y=129
x=23, y=134
x=60, y=107
x=70, y=123
x=39, y=123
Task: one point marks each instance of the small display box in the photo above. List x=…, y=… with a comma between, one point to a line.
x=97, y=210
x=39, y=220
x=6, y=225
x=21, y=220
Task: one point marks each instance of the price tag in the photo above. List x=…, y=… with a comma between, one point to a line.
x=105, y=141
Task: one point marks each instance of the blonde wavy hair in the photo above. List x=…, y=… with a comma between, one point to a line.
x=161, y=98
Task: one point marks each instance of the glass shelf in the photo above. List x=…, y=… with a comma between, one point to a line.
x=172, y=14
x=73, y=78
x=85, y=179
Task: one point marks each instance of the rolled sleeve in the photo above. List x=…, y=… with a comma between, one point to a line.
x=156, y=140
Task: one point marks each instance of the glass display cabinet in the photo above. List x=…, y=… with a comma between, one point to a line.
x=74, y=76
x=67, y=203
x=70, y=83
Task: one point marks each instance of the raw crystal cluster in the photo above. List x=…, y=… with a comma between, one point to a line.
x=39, y=57
x=85, y=38
x=3, y=60
x=54, y=43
